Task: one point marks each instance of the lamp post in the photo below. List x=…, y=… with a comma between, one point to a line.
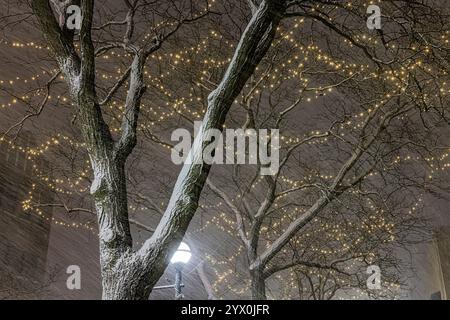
x=179, y=259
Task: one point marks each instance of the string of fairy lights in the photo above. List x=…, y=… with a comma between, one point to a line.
x=189, y=105
x=225, y=269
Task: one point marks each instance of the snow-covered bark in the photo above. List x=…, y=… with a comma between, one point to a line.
x=183, y=203
x=127, y=274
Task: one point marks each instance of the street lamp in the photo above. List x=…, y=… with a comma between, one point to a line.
x=179, y=259
x=182, y=255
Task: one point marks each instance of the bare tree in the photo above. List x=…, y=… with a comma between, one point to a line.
x=129, y=274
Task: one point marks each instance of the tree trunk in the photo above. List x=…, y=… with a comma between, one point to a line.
x=124, y=281
x=258, y=285
x=115, y=243
x=125, y=274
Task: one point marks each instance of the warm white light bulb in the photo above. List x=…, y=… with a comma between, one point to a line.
x=182, y=255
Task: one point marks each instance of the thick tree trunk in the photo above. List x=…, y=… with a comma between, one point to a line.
x=125, y=274
x=119, y=285
x=258, y=285
x=110, y=197
x=125, y=280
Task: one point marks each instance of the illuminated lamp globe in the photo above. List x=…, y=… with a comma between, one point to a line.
x=182, y=255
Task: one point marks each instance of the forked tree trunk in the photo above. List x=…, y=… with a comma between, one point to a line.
x=124, y=276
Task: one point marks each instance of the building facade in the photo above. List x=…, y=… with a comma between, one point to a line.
x=24, y=237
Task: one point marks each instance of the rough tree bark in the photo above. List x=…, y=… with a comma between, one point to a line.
x=258, y=285
x=129, y=274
